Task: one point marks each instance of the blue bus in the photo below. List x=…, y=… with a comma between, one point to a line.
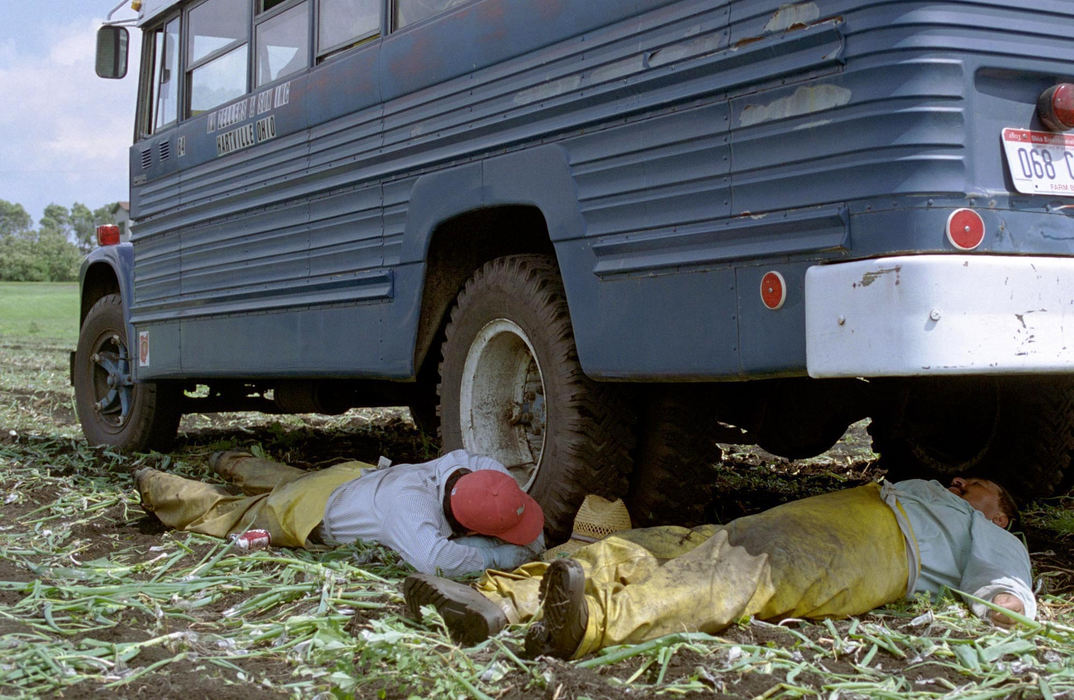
x=594, y=239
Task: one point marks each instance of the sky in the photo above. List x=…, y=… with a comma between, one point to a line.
x=64, y=132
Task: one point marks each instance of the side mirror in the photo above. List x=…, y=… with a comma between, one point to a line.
x=112, y=52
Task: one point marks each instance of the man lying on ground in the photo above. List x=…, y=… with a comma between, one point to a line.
x=832, y=555
x=458, y=514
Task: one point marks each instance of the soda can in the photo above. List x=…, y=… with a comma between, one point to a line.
x=251, y=540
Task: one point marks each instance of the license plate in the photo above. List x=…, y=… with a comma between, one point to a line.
x=1040, y=162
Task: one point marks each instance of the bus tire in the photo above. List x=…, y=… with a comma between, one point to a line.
x=113, y=411
x=511, y=387
x=1018, y=431
x=674, y=478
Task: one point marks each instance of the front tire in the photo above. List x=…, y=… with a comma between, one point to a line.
x=112, y=408
x=512, y=388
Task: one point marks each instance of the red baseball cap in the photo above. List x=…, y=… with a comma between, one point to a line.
x=491, y=503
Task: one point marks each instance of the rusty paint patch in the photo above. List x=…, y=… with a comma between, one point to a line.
x=793, y=17
x=805, y=100
x=870, y=277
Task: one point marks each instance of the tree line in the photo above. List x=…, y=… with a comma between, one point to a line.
x=53, y=250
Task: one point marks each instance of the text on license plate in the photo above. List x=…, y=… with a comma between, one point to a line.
x=1040, y=162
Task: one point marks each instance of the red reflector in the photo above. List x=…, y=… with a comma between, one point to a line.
x=773, y=290
x=965, y=229
x=108, y=234
x=1056, y=107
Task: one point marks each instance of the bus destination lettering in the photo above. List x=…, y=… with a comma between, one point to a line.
x=246, y=135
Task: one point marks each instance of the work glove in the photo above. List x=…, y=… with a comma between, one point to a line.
x=499, y=554
x=537, y=546
x=506, y=557
x=478, y=542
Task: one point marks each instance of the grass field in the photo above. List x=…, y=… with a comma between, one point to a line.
x=96, y=597
x=39, y=311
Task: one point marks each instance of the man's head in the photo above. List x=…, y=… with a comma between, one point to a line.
x=489, y=502
x=988, y=497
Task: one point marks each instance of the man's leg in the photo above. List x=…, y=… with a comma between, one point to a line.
x=289, y=512
x=629, y=596
x=832, y=555
x=252, y=474
x=186, y=504
x=514, y=597
x=517, y=593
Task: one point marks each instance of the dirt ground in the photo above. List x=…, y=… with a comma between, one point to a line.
x=749, y=480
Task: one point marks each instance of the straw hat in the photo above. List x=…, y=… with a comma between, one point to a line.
x=596, y=519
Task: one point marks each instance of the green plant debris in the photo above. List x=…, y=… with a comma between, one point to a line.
x=96, y=597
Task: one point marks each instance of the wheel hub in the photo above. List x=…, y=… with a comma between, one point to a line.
x=113, y=379
x=502, y=403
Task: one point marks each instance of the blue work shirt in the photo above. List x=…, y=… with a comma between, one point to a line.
x=957, y=547
x=402, y=507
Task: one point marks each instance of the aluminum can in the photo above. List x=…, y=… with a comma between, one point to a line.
x=251, y=540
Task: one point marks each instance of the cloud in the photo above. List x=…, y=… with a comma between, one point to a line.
x=66, y=131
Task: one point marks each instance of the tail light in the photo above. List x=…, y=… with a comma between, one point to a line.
x=107, y=234
x=1056, y=107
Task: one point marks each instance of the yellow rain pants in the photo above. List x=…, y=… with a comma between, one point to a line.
x=287, y=501
x=827, y=556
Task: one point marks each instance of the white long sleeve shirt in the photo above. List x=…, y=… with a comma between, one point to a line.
x=959, y=548
x=402, y=508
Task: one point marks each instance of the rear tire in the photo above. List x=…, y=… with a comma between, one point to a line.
x=114, y=410
x=512, y=388
x=1018, y=431
x=675, y=471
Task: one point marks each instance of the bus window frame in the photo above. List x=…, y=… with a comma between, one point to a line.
x=326, y=53
x=148, y=105
x=261, y=17
x=147, y=83
x=393, y=14
x=188, y=68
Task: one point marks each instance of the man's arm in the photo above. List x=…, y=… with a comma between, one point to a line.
x=998, y=570
x=422, y=546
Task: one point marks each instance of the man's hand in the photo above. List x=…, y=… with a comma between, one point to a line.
x=1010, y=602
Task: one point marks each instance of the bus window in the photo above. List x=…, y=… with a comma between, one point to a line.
x=165, y=86
x=343, y=23
x=217, y=53
x=410, y=11
x=283, y=44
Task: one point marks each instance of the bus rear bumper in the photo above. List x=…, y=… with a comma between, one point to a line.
x=940, y=314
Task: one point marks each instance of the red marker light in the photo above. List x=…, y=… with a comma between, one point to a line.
x=965, y=229
x=107, y=234
x=773, y=290
x=1056, y=107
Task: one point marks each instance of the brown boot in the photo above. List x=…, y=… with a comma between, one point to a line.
x=470, y=617
x=565, y=612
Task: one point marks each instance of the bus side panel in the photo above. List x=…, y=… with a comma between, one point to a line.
x=704, y=142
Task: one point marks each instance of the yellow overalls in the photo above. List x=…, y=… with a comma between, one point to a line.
x=832, y=555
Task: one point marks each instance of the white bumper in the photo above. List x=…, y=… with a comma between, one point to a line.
x=940, y=314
